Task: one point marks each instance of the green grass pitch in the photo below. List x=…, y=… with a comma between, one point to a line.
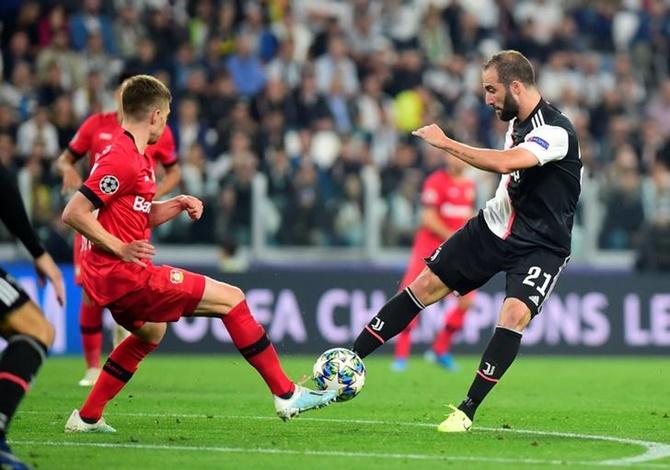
x=202, y=412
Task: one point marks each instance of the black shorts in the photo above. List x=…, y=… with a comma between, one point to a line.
x=474, y=254
x=12, y=296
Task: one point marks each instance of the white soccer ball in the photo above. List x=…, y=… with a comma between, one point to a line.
x=342, y=370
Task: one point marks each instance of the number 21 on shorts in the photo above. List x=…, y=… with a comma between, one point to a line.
x=538, y=279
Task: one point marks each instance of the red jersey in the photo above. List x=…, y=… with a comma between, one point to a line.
x=98, y=130
x=121, y=185
x=454, y=200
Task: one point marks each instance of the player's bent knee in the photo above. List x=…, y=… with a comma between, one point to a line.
x=29, y=320
x=151, y=332
x=515, y=315
x=428, y=287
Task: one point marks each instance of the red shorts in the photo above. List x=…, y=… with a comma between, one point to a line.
x=168, y=294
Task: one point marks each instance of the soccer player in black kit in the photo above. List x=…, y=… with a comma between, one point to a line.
x=28, y=333
x=524, y=230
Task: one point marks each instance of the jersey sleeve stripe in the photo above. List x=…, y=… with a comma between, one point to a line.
x=91, y=196
x=75, y=154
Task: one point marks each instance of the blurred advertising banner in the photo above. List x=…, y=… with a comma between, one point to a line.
x=307, y=311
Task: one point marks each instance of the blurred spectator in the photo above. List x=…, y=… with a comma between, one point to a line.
x=17, y=52
x=622, y=198
x=128, y=30
x=302, y=220
x=71, y=64
x=52, y=24
x=246, y=69
x=51, y=86
x=659, y=109
x=349, y=227
x=8, y=156
x=8, y=121
x=403, y=211
x=263, y=41
x=189, y=129
x=91, y=22
x=234, y=201
x=145, y=62
x=92, y=97
x=311, y=107
x=654, y=251
x=64, y=120
x=284, y=67
x=335, y=65
x=38, y=130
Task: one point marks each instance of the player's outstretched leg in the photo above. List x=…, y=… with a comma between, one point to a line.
x=249, y=338
x=498, y=356
x=29, y=335
x=117, y=371
x=398, y=312
x=403, y=347
x=90, y=323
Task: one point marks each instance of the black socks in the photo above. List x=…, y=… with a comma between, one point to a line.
x=394, y=316
x=498, y=356
x=19, y=364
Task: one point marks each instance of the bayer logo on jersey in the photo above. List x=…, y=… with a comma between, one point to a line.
x=109, y=184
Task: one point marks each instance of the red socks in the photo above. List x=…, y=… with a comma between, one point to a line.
x=403, y=344
x=90, y=323
x=452, y=325
x=116, y=372
x=250, y=339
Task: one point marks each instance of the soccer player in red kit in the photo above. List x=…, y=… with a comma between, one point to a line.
x=448, y=199
x=94, y=135
x=117, y=271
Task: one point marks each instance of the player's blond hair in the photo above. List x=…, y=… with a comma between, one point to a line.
x=140, y=94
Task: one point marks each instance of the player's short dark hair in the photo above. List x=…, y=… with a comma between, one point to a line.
x=512, y=65
x=141, y=93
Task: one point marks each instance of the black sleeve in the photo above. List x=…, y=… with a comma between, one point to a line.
x=13, y=214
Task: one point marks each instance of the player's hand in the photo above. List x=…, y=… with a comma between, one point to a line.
x=431, y=134
x=71, y=180
x=193, y=206
x=136, y=251
x=47, y=269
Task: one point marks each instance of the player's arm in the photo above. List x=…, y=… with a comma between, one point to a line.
x=430, y=219
x=76, y=149
x=162, y=211
x=78, y=214
x=498, y=161
x=169, y=181
x=66, y=169
x=13, y=215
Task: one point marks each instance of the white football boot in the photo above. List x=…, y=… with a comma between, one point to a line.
x=76, y=424
x=303, y=399
x=90, y=376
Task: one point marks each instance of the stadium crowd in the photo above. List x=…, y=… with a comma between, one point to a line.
x=311, y=92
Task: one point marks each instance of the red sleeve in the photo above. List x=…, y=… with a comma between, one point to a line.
x=109, y=178
x=81, y=142
x=164, y=150
x=430, y=194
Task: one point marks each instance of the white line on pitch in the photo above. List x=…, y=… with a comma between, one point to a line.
x=654, y=450
x=313, y=453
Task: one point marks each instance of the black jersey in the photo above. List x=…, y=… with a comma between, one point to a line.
x=536, y=206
